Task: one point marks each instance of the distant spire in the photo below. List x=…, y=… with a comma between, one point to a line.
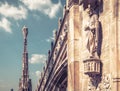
x=25, y=82
x=25, y=33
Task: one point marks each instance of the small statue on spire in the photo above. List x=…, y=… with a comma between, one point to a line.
x=25, y=32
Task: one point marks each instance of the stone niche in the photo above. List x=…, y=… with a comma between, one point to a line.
x=92, y=66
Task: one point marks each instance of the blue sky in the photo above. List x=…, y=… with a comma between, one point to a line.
x=41, y=18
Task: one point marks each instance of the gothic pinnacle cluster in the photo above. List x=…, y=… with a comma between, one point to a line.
x=25, y=83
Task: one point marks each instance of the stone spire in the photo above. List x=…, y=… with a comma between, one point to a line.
x=25, y=82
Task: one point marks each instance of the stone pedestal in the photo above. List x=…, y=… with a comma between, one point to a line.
x=92, y=66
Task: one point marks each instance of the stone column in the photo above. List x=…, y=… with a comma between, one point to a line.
x=115, y=45
x=74, y=48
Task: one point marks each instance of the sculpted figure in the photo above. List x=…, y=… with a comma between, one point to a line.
x=93, y=32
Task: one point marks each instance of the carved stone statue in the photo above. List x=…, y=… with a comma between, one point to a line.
x=93, y=32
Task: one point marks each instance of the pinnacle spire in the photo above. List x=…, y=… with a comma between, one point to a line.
x=25, y=82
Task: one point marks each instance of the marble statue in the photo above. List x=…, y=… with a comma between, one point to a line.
x=92, y=29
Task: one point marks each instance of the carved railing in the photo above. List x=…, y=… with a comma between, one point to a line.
x=92, y=66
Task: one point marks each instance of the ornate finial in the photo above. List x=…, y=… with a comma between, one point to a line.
x=25, y=32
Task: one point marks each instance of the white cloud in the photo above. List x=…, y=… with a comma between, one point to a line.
x=37, y=58
x=6, y=25
x=44, y=6
x=10, y=11
x=38, y=73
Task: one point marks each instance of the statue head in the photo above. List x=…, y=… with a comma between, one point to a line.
x=90, y=10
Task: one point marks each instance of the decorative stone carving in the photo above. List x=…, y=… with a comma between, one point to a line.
x=92, y=7
x=95, y=4
x=59, y=22
x=72, y=2
x=60, y=40
x=92, y=66
x=98, y=84
x=105, y=83
x=65, y=28
x=92, y=28
x=91, y=87
x=93, y=82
